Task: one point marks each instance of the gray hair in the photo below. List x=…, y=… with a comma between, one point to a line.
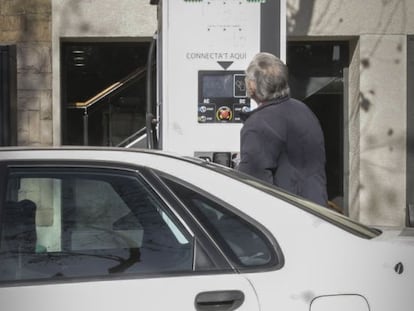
x=270, y=75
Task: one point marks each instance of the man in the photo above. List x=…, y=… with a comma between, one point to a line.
x=281, y=141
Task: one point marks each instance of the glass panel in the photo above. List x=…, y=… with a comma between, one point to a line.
x=83, y=224
x=245, y=244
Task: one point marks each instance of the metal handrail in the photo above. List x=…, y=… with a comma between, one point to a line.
x=109, y=91
x=132, y=139
x=136, y=74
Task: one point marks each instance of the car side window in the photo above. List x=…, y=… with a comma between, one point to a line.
x=67, y=223
x=244, y=243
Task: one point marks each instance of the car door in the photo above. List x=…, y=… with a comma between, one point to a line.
x=77, y=236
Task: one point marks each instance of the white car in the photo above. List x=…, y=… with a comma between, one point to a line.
x=120, y=229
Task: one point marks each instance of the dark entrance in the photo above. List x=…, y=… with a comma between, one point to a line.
x=8, y=96
x=410, y=132
x=318, y=77
x=103, y=91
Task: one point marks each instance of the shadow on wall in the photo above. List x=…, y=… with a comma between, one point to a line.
x=300, y=21
x=385, y=194
x=31, y=32
x=299, y=16
x=73, y=9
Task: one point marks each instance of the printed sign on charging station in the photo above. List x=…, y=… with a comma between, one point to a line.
x=204, y=48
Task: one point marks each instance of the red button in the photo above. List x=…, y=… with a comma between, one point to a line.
x=225, y=114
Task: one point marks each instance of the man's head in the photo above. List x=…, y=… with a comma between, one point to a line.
x=266, y=78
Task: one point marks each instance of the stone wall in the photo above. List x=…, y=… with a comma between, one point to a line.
x=27, y=25
x=377, y=103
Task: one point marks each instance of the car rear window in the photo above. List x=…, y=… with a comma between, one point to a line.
x=246, y=244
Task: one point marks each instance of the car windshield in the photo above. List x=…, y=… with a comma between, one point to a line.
x=335, y=218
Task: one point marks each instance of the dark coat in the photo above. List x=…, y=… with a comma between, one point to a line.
x=282, y=143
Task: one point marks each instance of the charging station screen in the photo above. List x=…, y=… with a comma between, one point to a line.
x=215, y=86
x=221, y=96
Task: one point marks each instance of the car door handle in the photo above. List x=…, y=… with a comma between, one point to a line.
x=227, y=300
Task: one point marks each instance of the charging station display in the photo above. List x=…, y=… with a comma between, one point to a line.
x=222, y=96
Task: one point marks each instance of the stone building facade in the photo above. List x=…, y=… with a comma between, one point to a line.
x=377, y=110
x=27, y=25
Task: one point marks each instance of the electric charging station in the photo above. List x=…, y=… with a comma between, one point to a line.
x=203, y=48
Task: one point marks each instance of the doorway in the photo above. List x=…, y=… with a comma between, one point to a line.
x=103, y=91
x=317, y=75
x=8, y=95
x=410, y=133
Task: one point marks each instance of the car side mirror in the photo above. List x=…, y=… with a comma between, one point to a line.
x=409, y=217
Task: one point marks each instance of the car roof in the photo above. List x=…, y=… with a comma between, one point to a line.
x=84, y=152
